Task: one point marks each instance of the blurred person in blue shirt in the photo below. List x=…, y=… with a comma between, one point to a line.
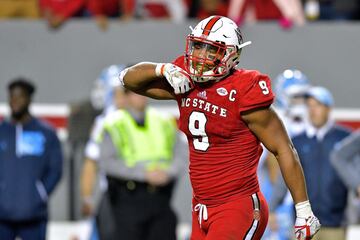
x=326, y=190
x=314, y=145
x=346, y=160
x=30, y=167
x=113, y=96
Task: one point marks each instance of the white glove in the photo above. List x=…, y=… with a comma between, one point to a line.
x=179, y=80
x=306, y=224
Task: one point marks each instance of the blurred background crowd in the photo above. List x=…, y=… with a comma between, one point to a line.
x=56, y=12
x=76, y=83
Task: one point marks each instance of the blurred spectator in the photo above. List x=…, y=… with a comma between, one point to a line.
x=116, y=96
x=81, y=117
x=357, y=11
x=331, y=9
x=30, y=167
x=19, y=9
x=141, y=155
x=103, y=9
x=346, y=160
x=287, y=12
x=326, y=190
x=205, y=8
x=174, y=10
x=56, y=12
x=109, y=8
x=290, y=87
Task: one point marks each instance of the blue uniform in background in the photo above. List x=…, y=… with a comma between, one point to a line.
x=30, y=168
x=327, y=192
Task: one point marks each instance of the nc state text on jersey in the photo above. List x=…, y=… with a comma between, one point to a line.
x=206, y=106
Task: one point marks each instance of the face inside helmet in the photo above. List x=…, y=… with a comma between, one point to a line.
x=206, y=60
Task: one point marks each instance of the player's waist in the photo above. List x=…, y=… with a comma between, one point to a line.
x=229, y=154
x=217, y=192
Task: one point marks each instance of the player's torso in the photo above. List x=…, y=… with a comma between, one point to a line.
x=223, y=151
x=209, y=115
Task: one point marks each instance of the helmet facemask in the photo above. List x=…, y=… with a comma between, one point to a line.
x=209, y=60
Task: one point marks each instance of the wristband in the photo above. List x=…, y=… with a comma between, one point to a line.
x=303, y=209
x=159, y=70
x=122, y=75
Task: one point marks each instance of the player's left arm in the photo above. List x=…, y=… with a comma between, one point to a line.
x=269, y=129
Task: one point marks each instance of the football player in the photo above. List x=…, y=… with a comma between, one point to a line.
x=290, y=89
x=226, y=114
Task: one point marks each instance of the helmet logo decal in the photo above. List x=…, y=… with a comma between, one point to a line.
x=222, y=91
x=239, y=36
x=209, y=25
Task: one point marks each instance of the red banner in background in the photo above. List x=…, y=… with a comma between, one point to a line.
x=352, y=124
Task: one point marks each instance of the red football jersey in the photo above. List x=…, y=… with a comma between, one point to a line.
x=224, y=153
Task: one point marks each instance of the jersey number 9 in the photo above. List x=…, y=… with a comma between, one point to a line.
x=197, y=122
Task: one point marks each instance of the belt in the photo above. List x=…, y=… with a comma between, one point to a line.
x=132, y=185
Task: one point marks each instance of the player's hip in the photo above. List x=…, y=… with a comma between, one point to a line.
x=242, y=218
x=217, y=192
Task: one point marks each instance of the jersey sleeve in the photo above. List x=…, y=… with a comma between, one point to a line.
x=180, y=62
x=256, y=92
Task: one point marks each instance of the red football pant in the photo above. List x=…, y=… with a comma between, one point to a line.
x=245, y=218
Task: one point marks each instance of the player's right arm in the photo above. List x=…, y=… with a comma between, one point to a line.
x=159, y=81
x=266, y=125
x=268, y=128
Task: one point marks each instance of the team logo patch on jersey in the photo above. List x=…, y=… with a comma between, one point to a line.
x=222, y=91
x=202, y=94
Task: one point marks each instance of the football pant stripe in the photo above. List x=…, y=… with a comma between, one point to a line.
x=255, y=223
